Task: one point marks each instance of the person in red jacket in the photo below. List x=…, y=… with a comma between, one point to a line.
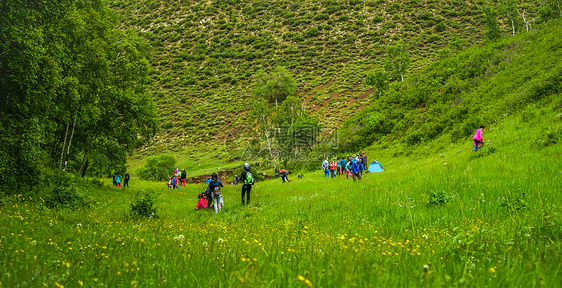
x=333, y=167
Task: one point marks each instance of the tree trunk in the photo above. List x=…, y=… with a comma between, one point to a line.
x=85, y=168
x=83, y=161
x=63, y=145
x=70, y=141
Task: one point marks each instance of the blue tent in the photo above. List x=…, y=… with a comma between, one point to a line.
x=375, y=166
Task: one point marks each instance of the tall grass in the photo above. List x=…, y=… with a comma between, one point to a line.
x=498, y=225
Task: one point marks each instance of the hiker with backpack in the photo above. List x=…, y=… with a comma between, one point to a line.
x=283, y=173
x=356, y=170
x=247, y=182
x=478, y=141
x=126, y=180
x=210, y=191
x=348, y=167
x=341, y=165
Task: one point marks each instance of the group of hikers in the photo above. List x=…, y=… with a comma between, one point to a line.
x=117, y=179
x=353, y=166
x=212, y=197
x=179, y=178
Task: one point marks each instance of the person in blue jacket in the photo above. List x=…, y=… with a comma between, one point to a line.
x=356, y=169
x=342, y=165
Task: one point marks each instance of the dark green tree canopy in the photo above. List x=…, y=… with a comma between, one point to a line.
x=276, y=86
x=73, y=89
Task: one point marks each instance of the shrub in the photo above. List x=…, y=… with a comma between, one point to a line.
x=143, y=205
x=438, y=197
x=65, y=194
x=167, y=125
x=514, y=202
x=157, y=168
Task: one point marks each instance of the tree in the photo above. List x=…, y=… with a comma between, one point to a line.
x=379, y=79
x=491, y=22
x=262, y=138
x=509, y=9
x=157, y=168
x=275, y=86
x=296, y=129
x=527, y=19
x=397, y=61
x=73, y=86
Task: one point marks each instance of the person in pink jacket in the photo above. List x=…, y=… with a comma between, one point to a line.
x=477, y=139
x=202, y=204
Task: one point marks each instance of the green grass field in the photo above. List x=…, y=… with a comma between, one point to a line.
x=443, y=216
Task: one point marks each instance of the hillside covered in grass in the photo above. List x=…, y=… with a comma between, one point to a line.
x=205, y=53
x=452, y=96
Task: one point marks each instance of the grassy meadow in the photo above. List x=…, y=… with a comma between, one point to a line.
x=442, y=216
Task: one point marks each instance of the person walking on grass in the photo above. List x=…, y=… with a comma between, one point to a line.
x=341, y=165
x=214, y=183
x=174, y=183
x=118, y=180
x=348, y=168
x=365, y=162
x=126, y=180
x=478, y=141
x=326, y=167
x=247, y=181
x=333, y=168
x=183, y=177
x=356, y=170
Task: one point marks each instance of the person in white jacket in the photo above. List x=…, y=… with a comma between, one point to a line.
x=326, y=167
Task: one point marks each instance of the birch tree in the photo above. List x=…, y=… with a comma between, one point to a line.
x=509, y=9
x=397, y=61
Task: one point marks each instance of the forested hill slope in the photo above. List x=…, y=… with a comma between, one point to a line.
x=481, y=86
x=206, y=52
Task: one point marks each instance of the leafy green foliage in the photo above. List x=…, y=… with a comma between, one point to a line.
x=379, y=79
x=73, y=86
x=457, y=94
x=397, y=61
x=492, y=27
x=66, y=193
x=275, y=86
x=514, y=202
x=144, y=205
x=438, y=197
x=157, y=168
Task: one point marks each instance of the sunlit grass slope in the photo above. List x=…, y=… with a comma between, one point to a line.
x=440, y=217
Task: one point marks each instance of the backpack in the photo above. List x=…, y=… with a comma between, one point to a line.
x=249, y=178
x=127, y=176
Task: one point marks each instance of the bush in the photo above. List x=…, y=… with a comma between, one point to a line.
x=157, y=168
x=167, y=125
x=65, y=194
x=143, y=205
x=438, y=197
